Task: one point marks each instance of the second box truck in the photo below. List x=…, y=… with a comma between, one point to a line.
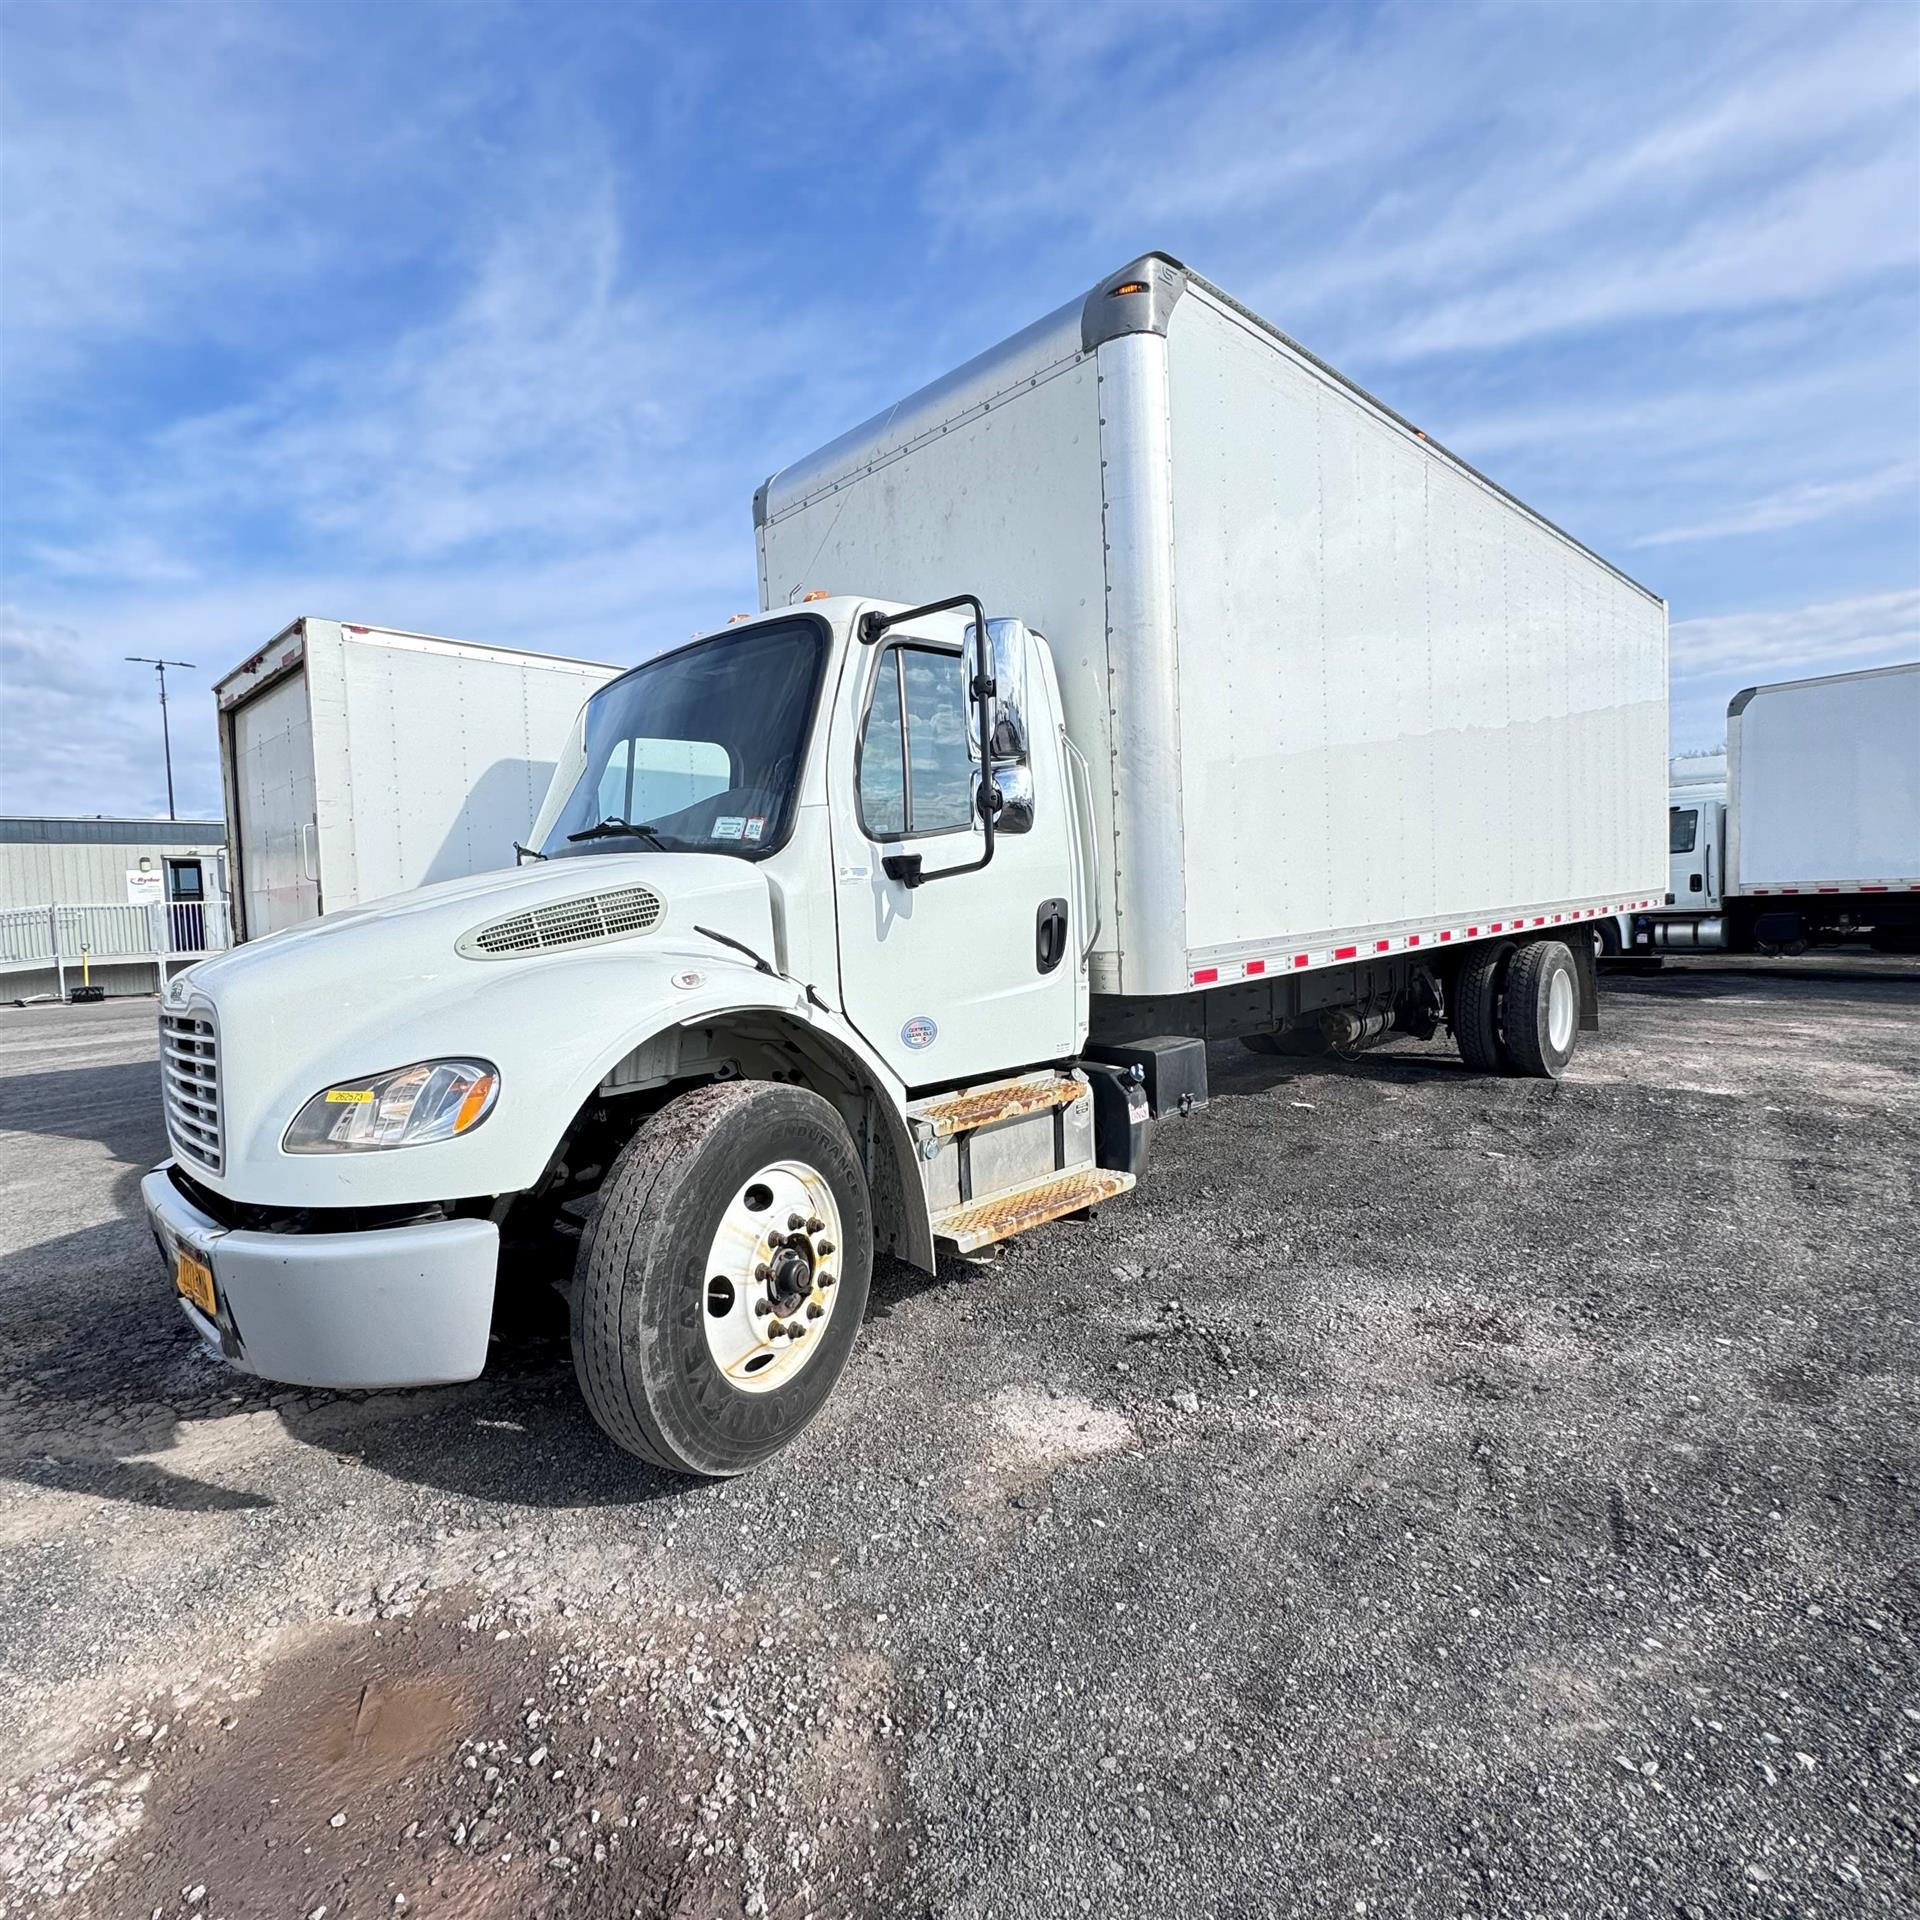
x=358, y=762
x=1810, y=834
x=1142, y=683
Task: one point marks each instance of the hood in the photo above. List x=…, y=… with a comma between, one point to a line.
x=400, y=980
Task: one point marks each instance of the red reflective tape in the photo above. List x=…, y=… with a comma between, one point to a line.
x=1875, y=889
x=1789, y=889
x=1300, y=959
x=1256, y=966
x=1493, y=927
x=1829, y=889
x=1413, y=939
x=1445, y=935
x=1206, y=976
x=1345, y=953
x=1382, y=946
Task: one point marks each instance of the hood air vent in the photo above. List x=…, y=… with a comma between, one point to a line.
x=581, y=922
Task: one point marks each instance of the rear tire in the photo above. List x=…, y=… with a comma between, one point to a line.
x=1540, y=1009
x=1476, y=1007
x=671, y=1339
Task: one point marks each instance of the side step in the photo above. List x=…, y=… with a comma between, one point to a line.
x=952, y=1113
x=980, y=1223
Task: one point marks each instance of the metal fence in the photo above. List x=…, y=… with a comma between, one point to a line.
x=74, y=939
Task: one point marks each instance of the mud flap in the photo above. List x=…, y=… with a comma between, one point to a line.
x=1586, y=969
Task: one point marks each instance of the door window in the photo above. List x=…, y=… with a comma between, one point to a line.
x=184, y=880
x=916, y=760
x=1683, y=826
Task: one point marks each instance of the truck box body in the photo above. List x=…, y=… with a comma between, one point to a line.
x=1341, y=694
x=358, y=762
x=1824, y=785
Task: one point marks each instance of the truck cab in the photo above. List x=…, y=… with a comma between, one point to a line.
x=1696, y=845
x=769, y=873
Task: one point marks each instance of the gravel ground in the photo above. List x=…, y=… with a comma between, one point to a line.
x=1427, y=1494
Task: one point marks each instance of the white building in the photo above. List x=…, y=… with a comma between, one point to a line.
x=121, y=903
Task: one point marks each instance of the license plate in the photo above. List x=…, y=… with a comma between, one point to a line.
x=194, y=1279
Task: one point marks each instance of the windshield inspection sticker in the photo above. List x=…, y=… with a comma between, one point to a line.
x=756, y=825
x=919, y=1033
x=730, y=826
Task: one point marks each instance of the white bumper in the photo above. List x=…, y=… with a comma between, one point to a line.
x=394, y=1307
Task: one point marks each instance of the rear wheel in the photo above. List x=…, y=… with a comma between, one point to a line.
x=1476, y=1007
x=1540, y=1009
x=724, y=1278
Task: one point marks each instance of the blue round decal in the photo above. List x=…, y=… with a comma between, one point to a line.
x=919, y=1033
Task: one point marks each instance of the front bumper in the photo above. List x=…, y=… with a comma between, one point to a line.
x=395, y=1307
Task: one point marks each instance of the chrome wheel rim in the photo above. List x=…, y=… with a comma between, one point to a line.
x=1560, y=1012
x=772, y=1277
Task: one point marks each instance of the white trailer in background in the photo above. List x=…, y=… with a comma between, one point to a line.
x=1808, y=834
x=358, y=762
x=1226, y=704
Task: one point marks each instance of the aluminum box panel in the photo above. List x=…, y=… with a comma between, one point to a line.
x=1824, y=782
x=1333, y=686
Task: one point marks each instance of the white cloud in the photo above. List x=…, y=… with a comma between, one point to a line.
x=1800, y=506
x=1869, y=630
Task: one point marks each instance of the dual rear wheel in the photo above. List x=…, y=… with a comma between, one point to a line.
x=1516, y=1009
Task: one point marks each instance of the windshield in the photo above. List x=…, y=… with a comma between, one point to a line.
x=700, y=749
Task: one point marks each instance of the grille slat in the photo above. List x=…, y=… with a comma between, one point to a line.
x=615, y=915
x=190, y=1088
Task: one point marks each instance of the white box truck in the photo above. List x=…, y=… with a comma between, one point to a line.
x=1141, y=684
x=358, y=762
x=1808, y=834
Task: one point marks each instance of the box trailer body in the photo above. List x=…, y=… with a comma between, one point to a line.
x=1170, y=690
x=358, y=762
x=1337, y=688
x=1810, y=834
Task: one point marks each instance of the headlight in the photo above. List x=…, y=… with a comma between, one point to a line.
x=430, y=1100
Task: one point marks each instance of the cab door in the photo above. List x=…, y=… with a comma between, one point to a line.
x=976, y=974
x=1687, y=879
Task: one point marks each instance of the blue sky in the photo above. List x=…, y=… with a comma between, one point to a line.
x=487, y=320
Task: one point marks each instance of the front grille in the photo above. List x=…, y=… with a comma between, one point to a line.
x=567, y=923
x=190, y=1082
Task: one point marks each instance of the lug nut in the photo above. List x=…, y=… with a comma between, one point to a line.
x=814, y=1309
x=763, y=1271
x=814, y=1226
x=796, y=1332
x=775, y=1328
x=823, y=1247
x=825, y=1280
x=762, y=1308
x=796, y=1220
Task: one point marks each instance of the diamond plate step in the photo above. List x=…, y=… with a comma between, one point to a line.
x=988, y=1106
x=979, y=1223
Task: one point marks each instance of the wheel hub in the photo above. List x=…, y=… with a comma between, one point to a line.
x=772, y=1276
x=790, y=1279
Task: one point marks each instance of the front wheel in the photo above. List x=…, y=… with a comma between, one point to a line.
x=724, y=1277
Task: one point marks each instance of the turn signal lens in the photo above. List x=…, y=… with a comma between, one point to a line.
x=408, y=1107
x=1126, y=286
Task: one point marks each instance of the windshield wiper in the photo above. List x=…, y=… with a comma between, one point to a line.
x=613, y=826
x=528, y=853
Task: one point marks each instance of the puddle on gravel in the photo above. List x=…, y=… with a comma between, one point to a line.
x=446, y=1765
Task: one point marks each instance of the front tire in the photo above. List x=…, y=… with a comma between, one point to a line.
x=1540, y=1009
x=724, y=1277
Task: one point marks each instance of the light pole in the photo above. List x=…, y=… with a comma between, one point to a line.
x=166, y=738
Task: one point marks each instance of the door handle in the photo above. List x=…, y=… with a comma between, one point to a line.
x=1050, y=935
